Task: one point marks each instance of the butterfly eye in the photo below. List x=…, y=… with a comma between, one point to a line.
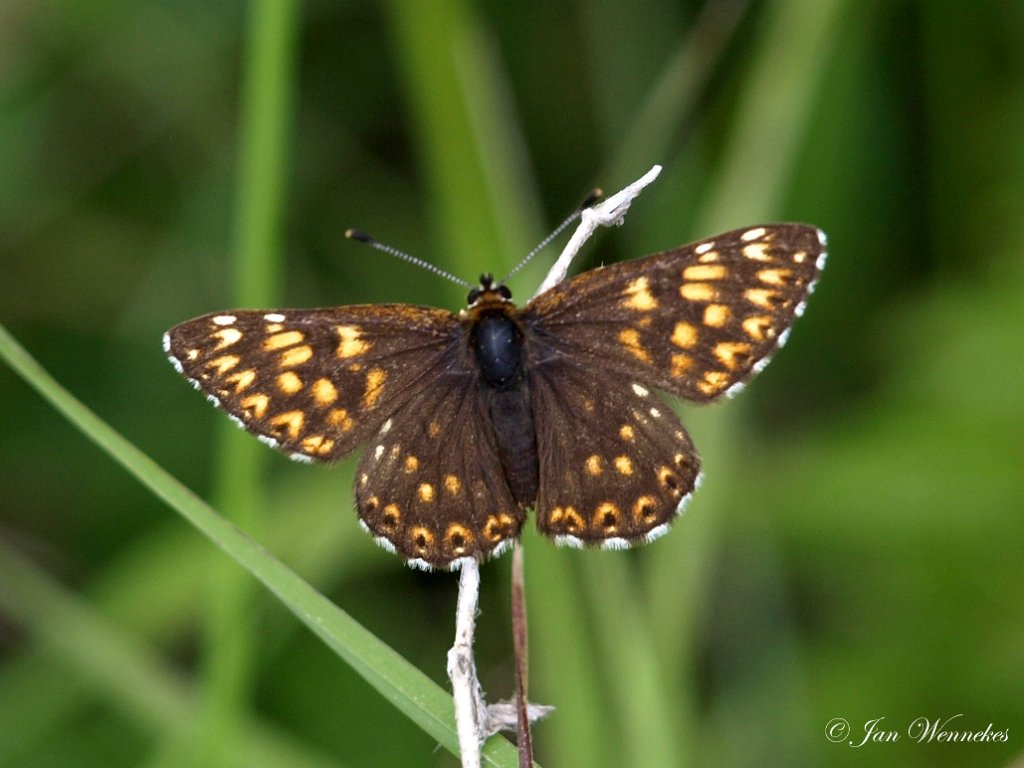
x=504, y=292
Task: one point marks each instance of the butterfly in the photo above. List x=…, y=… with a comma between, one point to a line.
x=472, y=419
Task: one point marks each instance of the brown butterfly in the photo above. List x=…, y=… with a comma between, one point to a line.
x=470, y=419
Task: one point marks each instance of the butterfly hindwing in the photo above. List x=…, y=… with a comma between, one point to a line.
x=313, y=383
x=616, y=465
x=431, y=482
x=696, y=321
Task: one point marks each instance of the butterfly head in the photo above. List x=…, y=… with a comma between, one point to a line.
x=489, y=291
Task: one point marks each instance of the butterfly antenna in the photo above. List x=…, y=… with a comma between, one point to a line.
x=592, y=198
x=362, y=237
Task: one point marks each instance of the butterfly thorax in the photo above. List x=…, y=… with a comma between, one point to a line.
x=496, y=339
x=494, y=334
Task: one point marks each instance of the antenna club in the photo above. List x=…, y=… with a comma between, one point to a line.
x=358, y=234
x=592, y=198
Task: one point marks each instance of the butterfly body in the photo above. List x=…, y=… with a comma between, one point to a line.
x=496, y=336
x=471, y=419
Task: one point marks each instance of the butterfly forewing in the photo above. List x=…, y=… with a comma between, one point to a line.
x=616, y=465
x=313, y=383
x=696, y=321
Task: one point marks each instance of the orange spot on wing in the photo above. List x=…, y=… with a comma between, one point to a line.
x=282, y=340
x=291, y=421
x=255, y=406
x=351, y=343
x=224, y=364
x=638, y=296
x=716, y=315
x=681, y=365
x=697, y=292
x=705, y=272
x=324, y=392
x=289, y=382
x=630, y=339
x=684, y=335
x=375, y=379
x=295, y=356
x=338, y=417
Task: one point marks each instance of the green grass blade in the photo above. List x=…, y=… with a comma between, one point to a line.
x=562, y=668
x=412, y=692
x=239, y=485
x=108, y=660
x=653, y=730
x=670, y=104
x=773, y=113
x=467, y=134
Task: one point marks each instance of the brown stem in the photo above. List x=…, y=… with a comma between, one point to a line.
x=519, y=642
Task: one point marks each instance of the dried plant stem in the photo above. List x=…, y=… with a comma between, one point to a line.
x=605, y=214
x=470, y=709
x=524, y=738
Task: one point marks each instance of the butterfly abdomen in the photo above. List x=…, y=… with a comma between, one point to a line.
x=497, y=343
x=512, y=420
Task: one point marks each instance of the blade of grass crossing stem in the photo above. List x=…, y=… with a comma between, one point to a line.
x=238, y=487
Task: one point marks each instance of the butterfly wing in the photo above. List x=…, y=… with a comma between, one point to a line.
x=312, y=383
x=697, y=321
x=318, y=383
x=431, y=483
x=616, y=465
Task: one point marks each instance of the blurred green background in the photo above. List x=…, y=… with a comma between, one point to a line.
x=856, y=550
